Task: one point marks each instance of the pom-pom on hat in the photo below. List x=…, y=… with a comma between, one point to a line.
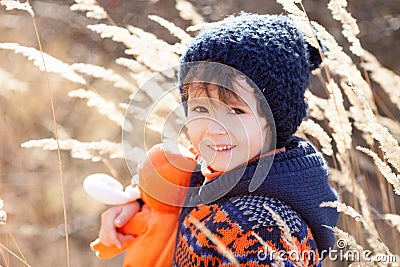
x=271, y=51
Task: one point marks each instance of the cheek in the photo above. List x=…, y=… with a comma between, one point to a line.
x=256, y=136
x=253, y=137
x=195, y=133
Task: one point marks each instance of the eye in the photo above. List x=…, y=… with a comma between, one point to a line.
x=200, y=109
x=236, y=111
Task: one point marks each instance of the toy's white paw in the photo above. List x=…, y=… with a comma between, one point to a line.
x=105, y=189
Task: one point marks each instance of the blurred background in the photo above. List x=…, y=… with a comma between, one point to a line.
x=29, y=178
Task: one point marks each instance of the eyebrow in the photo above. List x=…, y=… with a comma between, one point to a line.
x=227, y=96
x=237, y=102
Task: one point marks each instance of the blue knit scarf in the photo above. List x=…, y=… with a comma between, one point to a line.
x=298, y=177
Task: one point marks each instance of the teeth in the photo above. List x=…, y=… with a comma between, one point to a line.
x=221, y=148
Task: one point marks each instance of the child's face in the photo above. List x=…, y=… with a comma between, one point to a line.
x=227, y=135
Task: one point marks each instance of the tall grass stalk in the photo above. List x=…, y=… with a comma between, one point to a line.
x=27, y=7
x=58, y=145
x=15, y=255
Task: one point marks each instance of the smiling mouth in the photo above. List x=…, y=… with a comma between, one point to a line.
x=221, y=147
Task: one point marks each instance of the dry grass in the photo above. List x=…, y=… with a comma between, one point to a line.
x=90, y=86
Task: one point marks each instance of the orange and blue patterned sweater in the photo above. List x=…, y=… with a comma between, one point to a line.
x=225, y=221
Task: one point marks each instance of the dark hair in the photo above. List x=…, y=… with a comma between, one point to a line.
x=272, y=52
x=200, y=75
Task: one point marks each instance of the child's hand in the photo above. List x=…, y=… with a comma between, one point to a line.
x=133, y=228
x=113, y=218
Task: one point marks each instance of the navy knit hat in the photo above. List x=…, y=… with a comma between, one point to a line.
x=268, y=49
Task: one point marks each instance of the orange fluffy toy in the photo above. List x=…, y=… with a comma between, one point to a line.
x=163, y=178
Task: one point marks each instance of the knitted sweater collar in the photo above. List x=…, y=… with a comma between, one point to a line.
x=298, y=177
x=210, y=174
x=265, y=174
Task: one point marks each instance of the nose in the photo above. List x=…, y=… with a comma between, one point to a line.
x=215, y=127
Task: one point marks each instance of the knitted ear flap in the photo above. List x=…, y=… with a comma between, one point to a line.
x=314, y=55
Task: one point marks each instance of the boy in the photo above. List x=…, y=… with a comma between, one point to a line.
x=259, y=189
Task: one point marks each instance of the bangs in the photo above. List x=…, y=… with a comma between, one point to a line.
x=203, y=77
x=225, y=95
